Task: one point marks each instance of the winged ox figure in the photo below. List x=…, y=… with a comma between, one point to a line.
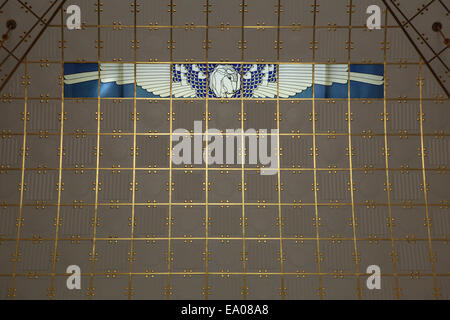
x=224, y=80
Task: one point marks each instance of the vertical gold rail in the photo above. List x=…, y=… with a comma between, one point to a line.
x=280, y=217
x=168, y=290
x=244, y=290
x=386, y=158
x=19, y=219
x=206, y=290
x=131, y=254
x=350, y=153
x=321, y=289
x=91, y=290
x=432, y=257
x=51, y=290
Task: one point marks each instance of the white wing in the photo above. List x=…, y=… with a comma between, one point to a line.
x=154, y=78
x=183, y=89
x=294, y=79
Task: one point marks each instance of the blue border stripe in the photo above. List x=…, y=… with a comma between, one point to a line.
x=111, y=90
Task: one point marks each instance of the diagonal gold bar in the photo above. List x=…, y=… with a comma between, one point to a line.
x=36, y=39
x=413, y=43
